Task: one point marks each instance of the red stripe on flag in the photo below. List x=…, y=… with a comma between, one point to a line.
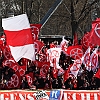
x=19, y=38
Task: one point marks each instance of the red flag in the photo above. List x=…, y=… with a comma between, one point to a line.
x=75, y=40
x=44, y=69
x=76, y=66
x=14, y=65
x=14, y=82
x=43, y=55
x=86, y=41
x=94, y=59
x=52, y=45
x=30, y=78
x=22, y=70
x=38, y=63
x=19, y=37
x=86, y=59
x=75, y=52
x=95, y=32
x=35, y=28
x=97, y=74
x=6, y=52
x=38, y=45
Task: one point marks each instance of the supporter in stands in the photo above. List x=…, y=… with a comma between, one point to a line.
x=68, y=84
x=85, y=79
x=24, y=84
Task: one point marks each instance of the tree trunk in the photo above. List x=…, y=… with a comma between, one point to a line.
x=74, y=23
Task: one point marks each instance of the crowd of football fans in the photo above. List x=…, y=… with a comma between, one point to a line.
x=85, y=79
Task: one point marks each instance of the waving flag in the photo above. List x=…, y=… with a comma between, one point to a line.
x=95, y=32
x=64, y=43
x=6, y=52
x=19, y=37
x=35, y=28
x=76, y=66
x=97, y=75
x=38, y=45
x=54, y=53
x=86, y=59
x=94, y=59
x=15, y=66
x=86, y=41
x=75, y=52
x=14, y=82
x=44, y=69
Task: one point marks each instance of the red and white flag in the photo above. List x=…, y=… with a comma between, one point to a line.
x=94, y=59
x=86, y=59
x=35, y=28
x=15, y=66
x=75, y=52
x=54, y=53
x=38, y=45
x=19, y=37
x=76, y=66
x=6, y=52
x=86, y=41
x=95, y=32
x=64, y=44
x=14, y=82
x=44, y=69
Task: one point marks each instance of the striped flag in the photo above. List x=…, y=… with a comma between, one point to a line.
x=19, y=37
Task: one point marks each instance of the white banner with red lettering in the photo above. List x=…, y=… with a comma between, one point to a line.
x=50, y=95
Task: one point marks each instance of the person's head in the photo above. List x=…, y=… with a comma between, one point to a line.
x=6, y=72
x=24, y=78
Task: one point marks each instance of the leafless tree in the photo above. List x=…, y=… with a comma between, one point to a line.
x=70, y=17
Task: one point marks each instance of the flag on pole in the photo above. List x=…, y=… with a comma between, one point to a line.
x=19, y=37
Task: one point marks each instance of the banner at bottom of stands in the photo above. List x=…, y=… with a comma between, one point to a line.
x=50, y=95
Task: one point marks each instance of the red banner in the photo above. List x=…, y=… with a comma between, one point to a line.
x=45, y=95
